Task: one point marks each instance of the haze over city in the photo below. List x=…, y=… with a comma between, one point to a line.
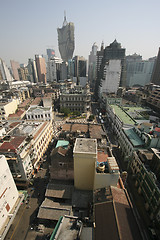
x=29, y=28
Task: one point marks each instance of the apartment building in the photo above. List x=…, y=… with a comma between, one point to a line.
x=7, y=108
x=146, y=182
x=93, y=168
x=24, y=147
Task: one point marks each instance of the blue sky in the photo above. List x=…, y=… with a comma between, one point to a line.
x=29, y=27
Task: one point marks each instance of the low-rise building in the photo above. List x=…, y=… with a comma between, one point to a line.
x=7, y=108
x=39, y=113
x=24, y=147
x=76, y=99
x=141, y=168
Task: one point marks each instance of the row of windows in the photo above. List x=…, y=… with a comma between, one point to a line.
x=38, y=116
x=73, y=99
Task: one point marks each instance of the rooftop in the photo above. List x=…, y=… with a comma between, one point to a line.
x=59, y=191
x=124, y=117
x=53, y=210
x=114, y=215
x=62, y=143
x=133, y=137
x=69, y=229
x=85, y=145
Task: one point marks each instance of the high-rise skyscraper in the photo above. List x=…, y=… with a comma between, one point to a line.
x=50, y=53
x=66, y=40
x=41, y=68
x=156, y=71
x=112, y=52
x=92, y=65
x=15, y=65
x=32, y=71
x=80, y=66
x=4, y=72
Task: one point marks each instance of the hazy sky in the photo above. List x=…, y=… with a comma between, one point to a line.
x=30, y=27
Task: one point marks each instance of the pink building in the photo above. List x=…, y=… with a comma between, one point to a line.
x=15, y=65
x=41, y=68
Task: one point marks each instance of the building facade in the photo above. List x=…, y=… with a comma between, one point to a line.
x=24, y=147
x=15, y=66
x=156, y=71
x=10, y=199
x=8, y=108
x=138, y=71
x=41, y=68
x=39, y=113
x=112, y=77
x=92, y=65
x=76, y=99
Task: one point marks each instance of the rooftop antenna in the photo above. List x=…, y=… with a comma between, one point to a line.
x=65, y=21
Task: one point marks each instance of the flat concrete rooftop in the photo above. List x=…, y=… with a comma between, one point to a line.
x=85, y=145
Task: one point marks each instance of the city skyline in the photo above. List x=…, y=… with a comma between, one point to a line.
x=29, y=29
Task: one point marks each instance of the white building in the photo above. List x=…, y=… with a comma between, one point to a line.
x=39, y=113
x=4, y=72
x=112, y=79
x=24, y=147
x=53, y=65
x=10, y=199
x=139, y=72
x=18, y=84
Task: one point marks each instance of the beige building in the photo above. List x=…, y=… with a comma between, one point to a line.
x=8, y=108
x=85, y=156
x=93, y=168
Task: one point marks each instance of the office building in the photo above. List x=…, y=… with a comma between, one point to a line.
x=92, y=65
x=32, y=71
x=99, y=58
x=5, y=74
x=50, y=53
x=156, y=71
x=41, y=68
x=80, y=66
x=112, y=77
x=138, y=71
x=15, y=65
x=112, y=52
x=54, y=66
x=66, y=40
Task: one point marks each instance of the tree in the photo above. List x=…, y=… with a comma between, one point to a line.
x=66, y=111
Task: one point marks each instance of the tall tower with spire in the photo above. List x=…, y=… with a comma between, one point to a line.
x=66, y=40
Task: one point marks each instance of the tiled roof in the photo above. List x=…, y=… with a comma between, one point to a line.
x=17, y=114
x=40, y=130
x=102, y=156
x=12, y=145
x=79, y=127
x=59, y=191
